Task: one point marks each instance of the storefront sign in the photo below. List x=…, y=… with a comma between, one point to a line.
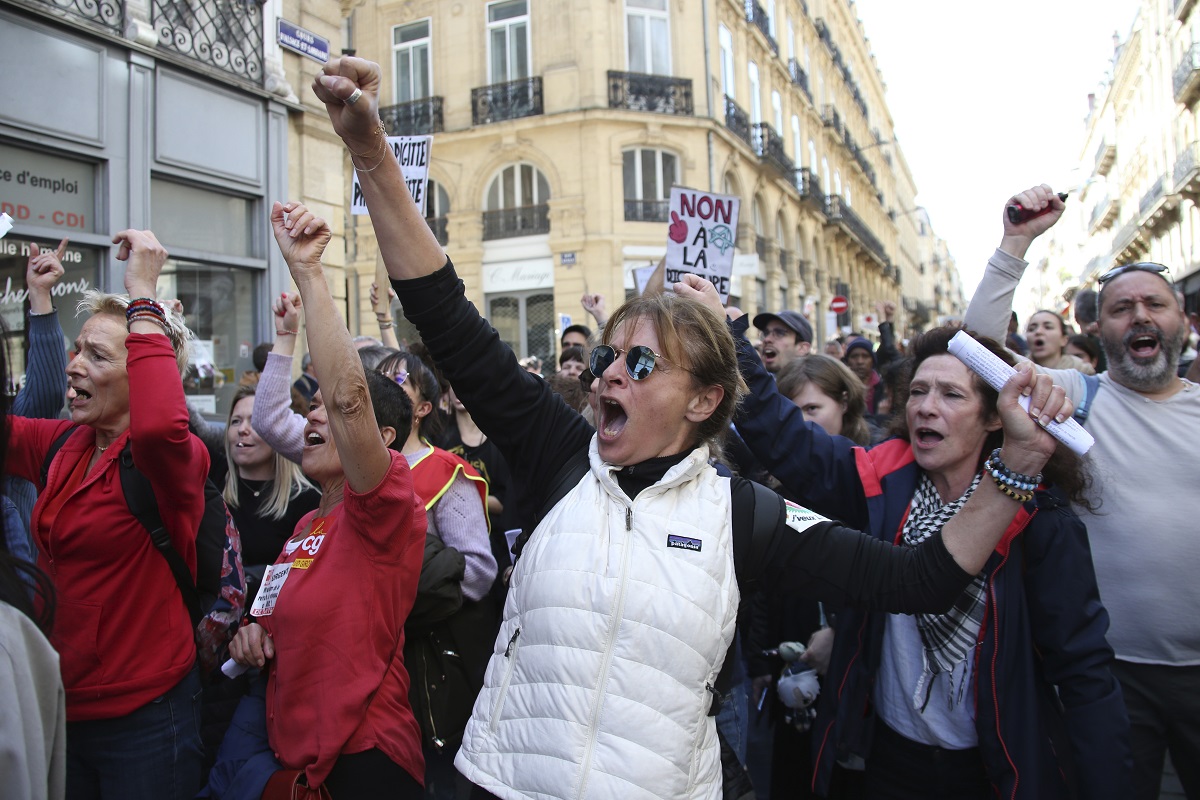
x=46, y=191
x=306, y=43
x=413, y=154
x=518, y=276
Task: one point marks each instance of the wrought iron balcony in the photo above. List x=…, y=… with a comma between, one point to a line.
x=1151, y=197
x=737, y=121
x=769, y=146
x=831, y=118
x=1106, y=154
x=108, y=13
x=227, y=35
x=1129, y=243
x=799, y=77
x=1187, y=170
x=810, y=189
x=655, y=93
x=438, y=226
x=757, y=16
x=822, y=30
x=1187, y=76
x=1157, y=206
x=1104, y=214
x=647, y=210
x=842, y=215
x=504, y=101
x=415, y=118
x=507, y=223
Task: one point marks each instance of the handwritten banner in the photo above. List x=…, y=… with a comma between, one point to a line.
x=413, y=154
x=700, y=237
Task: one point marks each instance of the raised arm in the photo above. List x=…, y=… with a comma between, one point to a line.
x=274, y=420
x=46, y=367
x=383, y=315
x=302, y=238
x=349, y=87
x=991, y=305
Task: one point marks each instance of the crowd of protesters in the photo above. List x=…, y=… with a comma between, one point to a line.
x=674, y=563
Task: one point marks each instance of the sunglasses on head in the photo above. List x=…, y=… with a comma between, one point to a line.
x=1141, y=266
x=640, y=360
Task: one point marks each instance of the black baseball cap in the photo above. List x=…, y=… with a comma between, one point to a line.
x=794, y=320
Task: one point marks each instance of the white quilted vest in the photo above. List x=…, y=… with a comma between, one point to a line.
x=618, y=618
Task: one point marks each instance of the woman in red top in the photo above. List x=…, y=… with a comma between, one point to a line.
x=124, y=636
x=330, y=614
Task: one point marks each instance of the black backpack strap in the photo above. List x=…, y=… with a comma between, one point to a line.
x=55, y=446
x=567, y=478
x=1091, y=385
x=139, y=496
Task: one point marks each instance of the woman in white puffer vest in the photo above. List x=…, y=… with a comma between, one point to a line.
x=622, y=606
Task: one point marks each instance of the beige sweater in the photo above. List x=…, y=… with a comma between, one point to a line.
x=33, y=725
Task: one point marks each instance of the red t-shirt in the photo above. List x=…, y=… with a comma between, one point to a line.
x=338, y=682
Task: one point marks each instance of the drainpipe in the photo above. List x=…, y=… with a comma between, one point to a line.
x=708, y=98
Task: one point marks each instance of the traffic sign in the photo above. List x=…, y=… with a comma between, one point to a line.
x=839, y=305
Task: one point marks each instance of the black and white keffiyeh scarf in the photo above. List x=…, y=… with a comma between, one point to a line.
x=946, y=639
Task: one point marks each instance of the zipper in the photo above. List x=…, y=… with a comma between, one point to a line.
x=618, y=614
x=434, y=738
x=510, y=653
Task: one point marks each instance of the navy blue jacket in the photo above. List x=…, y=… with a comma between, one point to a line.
x=1050, y=717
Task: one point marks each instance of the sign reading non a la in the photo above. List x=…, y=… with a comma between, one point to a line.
x=413, y=153
x=700, y=237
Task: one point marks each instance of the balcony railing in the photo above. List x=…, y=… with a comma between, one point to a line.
x=809, y=188
x=646, y=210
x=108, y=13
x=504, y=101
x=1106, y=154
x=831, y=118
x=226, y=35
x=1187, y=170
x=769, y=146
x=1187, y=76
x=1128, y=243
x=438, y=226
x=822, y=30
x=507, y=223
x=799, y=77
x=737, y=121
x=757, y=15
x=841, y=213
x=1151, y=197
x=415, y=118
x=655, y=93
x=1104, y=214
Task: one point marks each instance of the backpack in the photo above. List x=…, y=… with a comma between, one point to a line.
x=216, y=597
x=1091, y=385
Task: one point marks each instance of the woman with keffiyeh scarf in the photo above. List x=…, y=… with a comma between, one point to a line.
x=1009, y=693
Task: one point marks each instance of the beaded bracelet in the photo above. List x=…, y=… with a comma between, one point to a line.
x=998, y=470
x=143, y=305
x=145, y=316
x=1020, y=497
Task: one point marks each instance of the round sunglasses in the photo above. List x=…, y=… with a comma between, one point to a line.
x=640, y=360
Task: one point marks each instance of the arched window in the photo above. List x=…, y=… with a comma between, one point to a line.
x=648, y=176
x=825, y=175
x=517, y=203
x=437, y=206
x=812, y=155
x=837, y=181
x=755, y=94
x=797, y=156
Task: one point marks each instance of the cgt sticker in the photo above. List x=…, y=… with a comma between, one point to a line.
x=683, y=543
x=800, y=518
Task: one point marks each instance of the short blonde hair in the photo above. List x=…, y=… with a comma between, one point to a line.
x=97, y=302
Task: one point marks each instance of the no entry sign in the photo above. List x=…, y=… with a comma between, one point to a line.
x=839, y=305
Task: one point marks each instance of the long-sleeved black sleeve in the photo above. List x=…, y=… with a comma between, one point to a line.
x=534, y=429
x=841, y=566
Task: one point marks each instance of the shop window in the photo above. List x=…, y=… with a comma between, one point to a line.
x=525, y=322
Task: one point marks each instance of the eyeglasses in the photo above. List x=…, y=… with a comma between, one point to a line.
x=1141, y=266
x=639, y=362
x=585, y=380
x=400, y=376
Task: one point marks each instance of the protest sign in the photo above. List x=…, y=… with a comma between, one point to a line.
x=700, y=237
x=413, y=154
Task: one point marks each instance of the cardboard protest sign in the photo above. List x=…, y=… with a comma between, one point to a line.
x=700, y=237
x=413, y=154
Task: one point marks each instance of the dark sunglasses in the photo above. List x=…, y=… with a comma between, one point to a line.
x=639, y=361
x=1141, y=266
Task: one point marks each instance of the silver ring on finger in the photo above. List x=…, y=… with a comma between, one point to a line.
x=353, y=98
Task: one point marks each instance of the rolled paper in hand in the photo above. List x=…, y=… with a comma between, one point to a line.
x=996, y=373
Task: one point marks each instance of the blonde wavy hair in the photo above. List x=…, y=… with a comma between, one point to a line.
x=97, y=302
